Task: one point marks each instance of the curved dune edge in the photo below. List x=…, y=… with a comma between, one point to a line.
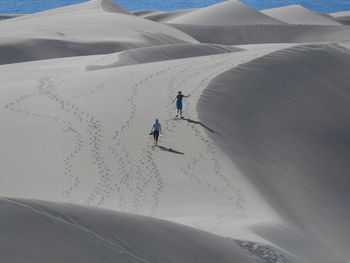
x=38, y=231
x=259, y=34
x=164, y=17
x=159, y=53
x=288, y=134
x=38, y=36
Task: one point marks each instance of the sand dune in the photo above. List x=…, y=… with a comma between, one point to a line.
x=142, y=13
x=64, y=33
x=8, y=16
x=161, y=53
x=342, y=17
x=292, y=128
x=259, y=161
x=231, y=12
x=296, y=14
x=255, y=34
x=167, y=16
x=94, y=235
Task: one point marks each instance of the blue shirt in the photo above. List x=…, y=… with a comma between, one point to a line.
x=179, y=97
x=156, y=126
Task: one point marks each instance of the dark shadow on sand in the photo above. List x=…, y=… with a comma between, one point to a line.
x=201, y=124
x=169, y=150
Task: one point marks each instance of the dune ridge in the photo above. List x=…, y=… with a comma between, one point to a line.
x=296, y=14
x=259, y=34
x=305, y=113
x=84, y=234
x=255, y=171
x=69, y=32
x=159, y=53
x=230, y=12
x=166, y=16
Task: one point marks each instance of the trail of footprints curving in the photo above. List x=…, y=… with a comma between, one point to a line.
x=227, y=191
x=68, y=128
x=140, y=176
x=139, y=183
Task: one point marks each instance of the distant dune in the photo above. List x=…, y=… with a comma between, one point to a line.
x=258, y=34
x=342, y=17
x=161, y=53
x=68, y=32
x=164, y=16
x=296, y=14
x=231, y=12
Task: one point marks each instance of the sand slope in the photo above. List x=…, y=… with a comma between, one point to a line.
x=8, y=16
x=161, y=53
x=95, y=235
x=342, y=17
x=296, y=14
x=261, y=155
x=167, y=16
x=68, y=33
x=288, y=134
x=255, y=34
x=231, y=12
x=102, y=154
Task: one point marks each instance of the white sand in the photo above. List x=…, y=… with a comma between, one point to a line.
x=296, y=14
x=163, y=16
x=87, y=30
x=258, y=34
x=290, y=128
x=231, y=12
x=342, y=17
x=261, y=156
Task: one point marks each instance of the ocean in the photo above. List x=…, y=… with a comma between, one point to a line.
x=32, y=6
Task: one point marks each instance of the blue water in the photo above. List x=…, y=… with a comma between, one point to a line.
x=32, y=6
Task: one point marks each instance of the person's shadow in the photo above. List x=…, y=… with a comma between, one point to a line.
x=169, y=150
x=201, y=124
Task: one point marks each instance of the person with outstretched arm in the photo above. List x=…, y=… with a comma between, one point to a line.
x=156, y=129
x=178, y=99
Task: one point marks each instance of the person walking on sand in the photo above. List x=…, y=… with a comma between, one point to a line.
x=156, y=129
x=179, y=97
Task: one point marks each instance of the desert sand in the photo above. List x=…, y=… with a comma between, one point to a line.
x=256, y=171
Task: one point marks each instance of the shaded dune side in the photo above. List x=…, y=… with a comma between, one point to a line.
x=342, y=17
x=142, y=13
x=41, y=232
x=296, y=14
x=258, y=34
x=103, y=5
x=284, y=121
x=167, y=16
x=230, y=12
x=159, y=53
x=38, y=49
x=23, y=50
x=8, y=16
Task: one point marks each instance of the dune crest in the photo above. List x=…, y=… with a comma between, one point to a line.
x=230, y=12
x=297, y=123
x=297, y=14
x=110, y=6
x=93, y=235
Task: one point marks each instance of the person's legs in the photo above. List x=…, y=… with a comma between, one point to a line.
x=155, y=137
x=179, y=108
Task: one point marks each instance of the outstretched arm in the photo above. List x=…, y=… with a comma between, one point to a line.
x=187, y=96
